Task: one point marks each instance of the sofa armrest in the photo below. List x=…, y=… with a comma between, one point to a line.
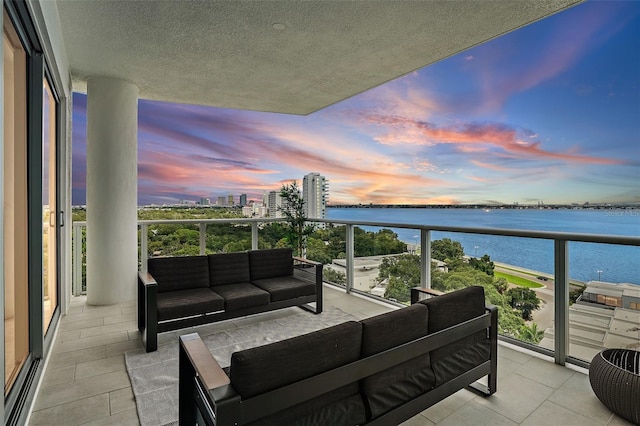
x=417, y=291
x=148, y=310
x=304, y=264
x=204, y=386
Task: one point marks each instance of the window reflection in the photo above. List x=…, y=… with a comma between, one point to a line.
x=49, y=235
x=14, y=170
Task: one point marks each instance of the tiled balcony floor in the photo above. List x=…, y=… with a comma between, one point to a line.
x=86, y=382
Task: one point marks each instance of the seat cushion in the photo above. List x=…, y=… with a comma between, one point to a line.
x=463, y=354
x=271, y=263
x=286, y=287
x=184, y=303
x=179, y=273
x=264, y=368
x=228, y=268
x=399, y=384
x=242, y=295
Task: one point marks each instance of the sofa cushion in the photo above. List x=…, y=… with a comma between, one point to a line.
x=286, y=287
x=184, y=303
x=451, y=309
x=270, y=263
x=242, y=295
x=228, y=268
x=257, y=370
x=396, y=385
x=179, y=273
x=264, y=368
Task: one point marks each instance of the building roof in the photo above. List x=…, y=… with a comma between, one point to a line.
x=280, y=56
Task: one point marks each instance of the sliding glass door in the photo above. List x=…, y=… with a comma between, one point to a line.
x=15, y=224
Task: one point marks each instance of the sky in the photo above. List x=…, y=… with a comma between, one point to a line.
x=550, y=112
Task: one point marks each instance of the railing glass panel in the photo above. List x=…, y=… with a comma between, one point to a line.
x=327, y=245
x=604, y=307
x=529, y=268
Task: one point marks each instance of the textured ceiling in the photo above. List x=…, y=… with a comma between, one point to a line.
x=280, y=56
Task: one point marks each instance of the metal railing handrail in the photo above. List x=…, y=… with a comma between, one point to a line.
x=522, y=233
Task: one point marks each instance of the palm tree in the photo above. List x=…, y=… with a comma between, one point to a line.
x=530, y=333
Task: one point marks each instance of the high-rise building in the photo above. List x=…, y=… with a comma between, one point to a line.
x=243, y=200
x=315, y=192
x=205, y=201
x=230, y=200
x=222, y=201
x=274, y=204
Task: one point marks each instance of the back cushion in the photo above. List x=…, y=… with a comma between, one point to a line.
x=179, y=273
x=229, y=268
x=271, y=263
x=451, y=309
x=264, y=368
x=390, y=388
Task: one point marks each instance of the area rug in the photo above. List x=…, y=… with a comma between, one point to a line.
x=154, y=376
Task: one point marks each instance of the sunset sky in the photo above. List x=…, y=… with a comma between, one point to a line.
x=550, y=112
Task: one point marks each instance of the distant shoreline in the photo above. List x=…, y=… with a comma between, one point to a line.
x=588, y=206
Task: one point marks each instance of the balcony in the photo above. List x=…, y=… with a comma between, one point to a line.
x=86, y=380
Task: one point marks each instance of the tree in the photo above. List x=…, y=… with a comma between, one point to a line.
x=501, y=284
x=448, y=251
x=402, y=273
x=530, y=333
x=524, y=300
x=333, y=276
x=293, y=210
x=483, y=264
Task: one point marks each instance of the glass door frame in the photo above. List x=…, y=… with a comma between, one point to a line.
x=59, y=221
x=22, y=393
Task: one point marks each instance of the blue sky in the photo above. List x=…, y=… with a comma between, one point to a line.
x=549, y=112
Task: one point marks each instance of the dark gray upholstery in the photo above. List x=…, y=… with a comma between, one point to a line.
x=446, y=311
x=347, y=409
x=228, y=275
x=365, y=359
x=391, y=388
x=184, y=303
x=179, y=273
x=229, y=268
x=242, y=295
x=287, y=287
x=261, y=369
x=270, y=263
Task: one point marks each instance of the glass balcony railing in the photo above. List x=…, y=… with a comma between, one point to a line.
x=551, y=313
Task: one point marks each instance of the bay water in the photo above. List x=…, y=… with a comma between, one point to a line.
x=587, y=261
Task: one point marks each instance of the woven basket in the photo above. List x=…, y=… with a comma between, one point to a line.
x=615, y=378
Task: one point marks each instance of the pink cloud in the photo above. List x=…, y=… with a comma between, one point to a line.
x=473, y=137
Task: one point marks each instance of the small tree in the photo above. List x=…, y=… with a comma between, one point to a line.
x=293, y=210
x=524, y=300
x=483, y=264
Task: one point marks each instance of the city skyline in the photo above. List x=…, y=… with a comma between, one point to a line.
x=548, y=112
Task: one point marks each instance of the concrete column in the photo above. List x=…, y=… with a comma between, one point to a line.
x=112, y=190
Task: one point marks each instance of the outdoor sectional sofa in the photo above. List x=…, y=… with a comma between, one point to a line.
x=179, y=292
x=379, y=371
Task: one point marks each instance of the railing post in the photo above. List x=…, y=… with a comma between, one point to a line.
x=144, y=250
x=203, y=238
x=561, y=300
x=349, y=240
x=254, y=235
x=77, y=260
x=425, y=258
